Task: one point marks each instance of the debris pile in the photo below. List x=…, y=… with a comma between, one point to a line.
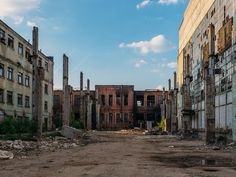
x=26, y=148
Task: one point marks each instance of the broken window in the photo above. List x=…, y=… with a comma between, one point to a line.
x=46, y=66
x=1, y=96
x=27, y=101
x=19, y=100
x=10, y=42
x=110, y=118
x=102, y=118
x=103, y=102
x=9, y=97
x=57, y=100
x=40, y=62
x=1, y=70
x=118, y=99
x=20, y=78
x=110, y=100
x=27, y=54
x=45, y=106
x=20, y=49
x=150, y=100
x=2, y=36
x=139, y=100
x=126, y=100
x=46, y=89
x=10, y=73
x=151, y=117
x=118, y=118
x=27, y=81
x=126, y=118
x=77, y=100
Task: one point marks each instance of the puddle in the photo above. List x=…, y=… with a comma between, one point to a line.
x=194, y=161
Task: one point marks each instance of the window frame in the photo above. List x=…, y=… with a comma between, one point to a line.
x=19, y=100
x=2, y=70
x=10, y=41
x=10, y=72
x=9, y=101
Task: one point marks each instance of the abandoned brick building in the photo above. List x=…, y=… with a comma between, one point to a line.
x=16, y=78
x=116, y=106
x=206, y=68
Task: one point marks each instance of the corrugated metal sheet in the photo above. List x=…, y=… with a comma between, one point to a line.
x=229, y=116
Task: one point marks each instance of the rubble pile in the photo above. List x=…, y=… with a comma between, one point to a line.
x=25, y=148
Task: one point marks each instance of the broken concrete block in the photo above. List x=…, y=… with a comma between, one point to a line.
x=6, y=155
x=71, y=133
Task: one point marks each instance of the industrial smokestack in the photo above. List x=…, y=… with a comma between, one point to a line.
x=169, y=83
x=175, y=81
x=65, y=71
x=88, y=85
x=81, y=81
x=35, y=35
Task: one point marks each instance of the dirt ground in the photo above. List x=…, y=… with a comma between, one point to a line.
x=120, y=154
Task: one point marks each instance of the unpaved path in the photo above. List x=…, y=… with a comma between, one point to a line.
x=111, y=154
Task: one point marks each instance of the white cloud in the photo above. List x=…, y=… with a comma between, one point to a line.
x=159, y=87
x=31, y=24
x=155, y=70
x=143, y=4
x=157, y=44
x=168, y=2
x=139, y=63
x=172, y=65
x=16, y=9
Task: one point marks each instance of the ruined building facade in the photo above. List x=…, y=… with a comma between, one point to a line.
x=113, y=107
x=16, y=78
x=206, y=66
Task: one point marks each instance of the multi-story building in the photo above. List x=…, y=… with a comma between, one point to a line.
x=16, y=77
x=147, y=107
x=205, y=67
x=115, y=106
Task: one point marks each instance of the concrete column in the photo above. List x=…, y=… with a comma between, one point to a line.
x=89, y=107
x=175, y=81
x=65, y=71
x=97, y=112
x=37, y=87
x=82, y=116
x=209, y=88
x=169, y=84
x=66, y=93
x=67, y=105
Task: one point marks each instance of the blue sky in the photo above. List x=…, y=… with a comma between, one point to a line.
x=111, y=41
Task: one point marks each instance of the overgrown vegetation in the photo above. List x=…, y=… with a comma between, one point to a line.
x=76, y=122
x=16, y=126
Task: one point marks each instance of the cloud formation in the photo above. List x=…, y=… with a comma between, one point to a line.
x=157, y=44
x=139, y=63
x=16, y=9
x=31, y=24
x=172, y=65
x=168, y=2
x=143, y=4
